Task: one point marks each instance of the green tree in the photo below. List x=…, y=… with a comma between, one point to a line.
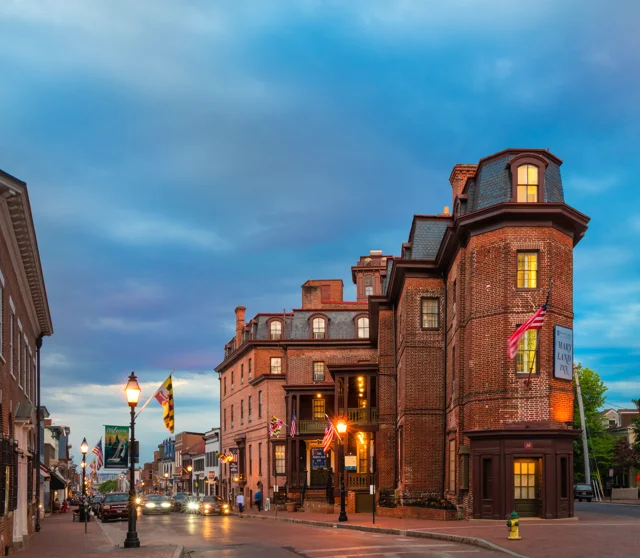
x=635, y=427
x=108, y=486
x=600, y=442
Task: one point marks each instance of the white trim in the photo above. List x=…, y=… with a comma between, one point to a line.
x=13, y=306
x=19, y=323
x=1, y=279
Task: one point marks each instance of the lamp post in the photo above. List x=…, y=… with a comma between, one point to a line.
x=190, y=471
x=342, y=429
x=132, y=390
x=84, y=448
x=166, y=482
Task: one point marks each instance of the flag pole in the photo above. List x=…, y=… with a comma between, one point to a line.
x=154, y=394
x=535, y=354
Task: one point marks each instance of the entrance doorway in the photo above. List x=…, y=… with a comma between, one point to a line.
x=527, y=486
x=319, y=473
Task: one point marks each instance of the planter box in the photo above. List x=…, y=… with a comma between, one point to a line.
x=414, y=512
x=291, y=507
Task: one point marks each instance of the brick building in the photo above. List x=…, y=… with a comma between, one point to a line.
x=418, y=363
x=185, y=446
x=24, y=321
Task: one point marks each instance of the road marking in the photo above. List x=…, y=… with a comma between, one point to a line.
x=373, y=547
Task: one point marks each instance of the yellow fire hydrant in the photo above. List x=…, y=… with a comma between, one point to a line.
x=514, y=527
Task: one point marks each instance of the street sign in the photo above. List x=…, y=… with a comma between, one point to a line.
x=372, y=489
x=350, y=462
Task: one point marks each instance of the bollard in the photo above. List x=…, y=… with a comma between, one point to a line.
x=514, y=527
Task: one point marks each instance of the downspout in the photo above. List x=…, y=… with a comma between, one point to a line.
x=444, y=395
x=395, y=371
x=38, y=433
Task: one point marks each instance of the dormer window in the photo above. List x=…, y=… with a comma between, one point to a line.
x=319, y=328
x=363, y=328
x=527, y=184
x=275, y=329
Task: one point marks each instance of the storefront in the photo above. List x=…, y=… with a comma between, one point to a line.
x=527, y=471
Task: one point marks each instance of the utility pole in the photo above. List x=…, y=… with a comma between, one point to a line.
x=585, y=448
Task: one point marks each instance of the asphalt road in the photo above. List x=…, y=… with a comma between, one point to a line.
x=206, y=537
x=605, y=508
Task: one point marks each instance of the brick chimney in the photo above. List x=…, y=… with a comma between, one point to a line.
x=458, y=177
x=240, y=310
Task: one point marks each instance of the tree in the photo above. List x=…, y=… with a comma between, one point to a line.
x=635, y=427
x=600, y=442
x=108, y=486
x=625, y=456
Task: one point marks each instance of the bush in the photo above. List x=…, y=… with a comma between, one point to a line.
x=388, y=499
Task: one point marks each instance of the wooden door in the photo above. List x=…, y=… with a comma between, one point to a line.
x=527, y=481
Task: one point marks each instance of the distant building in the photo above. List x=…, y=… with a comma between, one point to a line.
x=619, y=423
x=212, y=463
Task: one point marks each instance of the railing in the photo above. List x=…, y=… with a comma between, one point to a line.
x=358, y=481
x=361, y=416
x=312, y=426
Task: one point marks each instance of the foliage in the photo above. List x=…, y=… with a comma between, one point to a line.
x=108, y=486
x=625, y=456
x=635, y=427
x=388, y=499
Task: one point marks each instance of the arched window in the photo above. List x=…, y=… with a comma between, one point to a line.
x=527, y=184
x=319, y=328
x=363, y=328
x=275, y=329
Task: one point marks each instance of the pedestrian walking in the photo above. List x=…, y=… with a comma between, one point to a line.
x=258, y=500
x=240, y=501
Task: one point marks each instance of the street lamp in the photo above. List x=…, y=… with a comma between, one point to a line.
x=190, y=471
x=166, y=481
x=132, y=391
x=342, y=429
x=84, y=448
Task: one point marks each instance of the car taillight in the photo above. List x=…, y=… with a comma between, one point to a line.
x=106, y=507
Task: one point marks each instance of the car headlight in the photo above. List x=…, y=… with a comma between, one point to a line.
x=138, y=500
x=150, y=505
x=193, y=505
x=225, y=507
x=165, y=505
x=207, y=506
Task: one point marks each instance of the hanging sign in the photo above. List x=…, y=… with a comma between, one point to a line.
x=116, y=447
x=350, y=462
x=562, y=353
x=318, y=458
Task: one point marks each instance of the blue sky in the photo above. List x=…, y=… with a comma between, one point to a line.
x=184, y=158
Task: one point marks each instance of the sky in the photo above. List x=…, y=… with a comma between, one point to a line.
x=183, y=158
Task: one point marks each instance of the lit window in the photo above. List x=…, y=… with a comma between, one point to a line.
x=276, y=365
x=318, y=409
x=527, y=270
x=452, y=465
x=319, y=328
x=430, y=313
x=527, y=183
x=275, y=329
x=318, y=371
x=526, y=355
x=363, y=328
x=278, y=450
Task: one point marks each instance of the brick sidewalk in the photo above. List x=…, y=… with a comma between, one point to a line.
x=598, y=536
x=60, y=537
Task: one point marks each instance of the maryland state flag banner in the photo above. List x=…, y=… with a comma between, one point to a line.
x=164, y=396
x=275, y=426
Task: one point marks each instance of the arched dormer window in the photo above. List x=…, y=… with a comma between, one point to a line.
x=527, y=178
x=318, y=327
x=275, y=329
x=362, y=327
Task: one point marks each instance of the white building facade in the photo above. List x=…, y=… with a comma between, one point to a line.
x=211, y=462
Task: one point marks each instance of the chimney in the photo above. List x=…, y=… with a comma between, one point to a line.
x=240, y=310
x=458, y=177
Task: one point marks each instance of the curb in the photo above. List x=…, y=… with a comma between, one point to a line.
x=474, y=541
x=178, y=552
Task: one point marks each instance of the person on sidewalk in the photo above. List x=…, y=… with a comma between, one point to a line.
x=258, y=500
x=240, y=501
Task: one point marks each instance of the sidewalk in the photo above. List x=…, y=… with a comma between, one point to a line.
x=60, y=537
x=598, y=536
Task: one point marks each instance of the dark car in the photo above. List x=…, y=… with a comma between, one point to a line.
x=179, y=500
x=156, y=503
x=95, y=503
x=582, y=492
x=114, y=506
x=210, y=505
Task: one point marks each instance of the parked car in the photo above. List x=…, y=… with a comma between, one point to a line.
x=582, y=492
x=210, y=505
x=95, y=503
x=156, y=503
x=114, y=506
x=178, y=500
x=191, y=504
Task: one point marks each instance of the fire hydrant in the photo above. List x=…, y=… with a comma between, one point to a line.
x=514, y=527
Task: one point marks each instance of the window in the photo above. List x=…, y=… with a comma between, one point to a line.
x=12, y=319
x=1, y=313
x=249, y=408
x=430, y=313
x=250, y=461
x=249, y=371
x=526, y=355
x=319, y=328
x=318, y=371
x=452, y=465
x=231, y=416
x=564, y=484
x=224, y=414
x=524, y=480
x=19, y=354
x=260, y=405
x=275, y=329
x=368, y=285
x=454, y=297
x=276, y=365
x=242, y=411
x=318, y=409
x=260, y=458
x=278, y=452
x=527, y=183
x=363, y=328
x=225, y=385
x=233, y=378
x=613, y=423
x=242, y=373
x=527, y=270
x=453, y=372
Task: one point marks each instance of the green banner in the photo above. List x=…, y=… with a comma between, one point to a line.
x=116, y=447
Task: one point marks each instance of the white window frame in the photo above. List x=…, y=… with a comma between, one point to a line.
x=19, y=352
x=12, y=336
x=273, y=367
x=364, y=328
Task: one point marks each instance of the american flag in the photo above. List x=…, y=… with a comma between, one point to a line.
x=534, y=322
x=329, y=433
x=293, y=430
x=98, y=451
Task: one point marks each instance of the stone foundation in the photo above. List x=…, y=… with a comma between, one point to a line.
x=414, y=512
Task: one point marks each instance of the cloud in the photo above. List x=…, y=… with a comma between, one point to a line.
x=593, y=185
x=54, y=360
x=123, y=325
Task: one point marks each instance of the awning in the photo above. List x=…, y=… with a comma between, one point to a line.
x=57, y=482
x=44, y=473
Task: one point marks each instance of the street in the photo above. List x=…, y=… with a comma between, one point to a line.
x=204, y=537
x=587, y=510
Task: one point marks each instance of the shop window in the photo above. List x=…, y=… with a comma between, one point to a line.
x=527, y=272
